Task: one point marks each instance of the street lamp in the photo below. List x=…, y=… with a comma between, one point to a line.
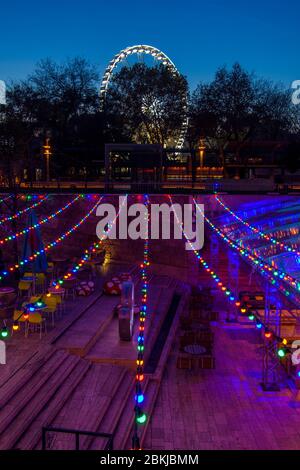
x=201, y=150
x=47, y=153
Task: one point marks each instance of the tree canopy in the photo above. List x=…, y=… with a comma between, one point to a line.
x=143, y=105
x=238, y=107
x=147, y=104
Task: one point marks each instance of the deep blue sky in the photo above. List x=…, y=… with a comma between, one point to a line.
x=199, y=36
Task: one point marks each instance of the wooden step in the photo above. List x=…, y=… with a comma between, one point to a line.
x=151, y=396
x=18, y=401
x=91, y=399
x=32, y=437
x=20, y=413
x=124, y=428
x=17, y=380
x=114, y=412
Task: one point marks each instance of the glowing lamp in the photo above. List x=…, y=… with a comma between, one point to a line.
x=139, y=398
x=281, y=352
x=4, y=332
x=141, y=419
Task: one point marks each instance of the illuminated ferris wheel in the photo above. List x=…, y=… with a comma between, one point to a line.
x=141, y=51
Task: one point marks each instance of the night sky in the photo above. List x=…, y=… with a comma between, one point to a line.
x=264, y=36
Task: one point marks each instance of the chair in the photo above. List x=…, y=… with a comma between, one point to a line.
x=50, y=269
x=40, y=282
x=6, y=313
x=203, y=338
x=36, y=320
x=19, y=317
x=70, y=287
x=51, y=303
x=24, y=287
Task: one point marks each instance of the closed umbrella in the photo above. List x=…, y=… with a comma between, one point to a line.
x=32, y=244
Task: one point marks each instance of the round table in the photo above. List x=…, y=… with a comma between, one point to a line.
x=195, y=349
x=6, y=290
x=54, y=291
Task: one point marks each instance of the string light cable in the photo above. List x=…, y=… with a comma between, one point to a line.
x=87, y=253
x=50, y=245
x=252, y=315
x=258, y=262
x=40, y=222
x=26, y=209
x=255, y=230
x=140, y=415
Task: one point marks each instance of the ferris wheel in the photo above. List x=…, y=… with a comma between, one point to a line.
x=141, y=51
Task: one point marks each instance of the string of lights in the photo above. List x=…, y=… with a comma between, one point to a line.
x=41, y=222
x=83, y=259
x=26, y=209
x=140, y=415
x=3, y=199
x=252, y=315
x=87, y=253
x=276, y=276
x=255, y=230
x=50, y=245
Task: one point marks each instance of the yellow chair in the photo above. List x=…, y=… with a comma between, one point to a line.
x=51, y=303
x=50, y=269
x=19, y=317
x=24, y=287
x=36, y=320
x=40, y=282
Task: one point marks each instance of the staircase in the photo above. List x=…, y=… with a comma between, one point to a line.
x=59, y=389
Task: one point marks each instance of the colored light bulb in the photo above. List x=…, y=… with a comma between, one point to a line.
x=139, y=398
x=141, y=419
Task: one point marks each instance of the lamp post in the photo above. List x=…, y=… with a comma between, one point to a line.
x=47, y=154
x=201, y=150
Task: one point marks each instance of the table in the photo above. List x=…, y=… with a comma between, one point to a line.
x=195, y=349
x=6, y=290
x=5, y=293
x=54, y=291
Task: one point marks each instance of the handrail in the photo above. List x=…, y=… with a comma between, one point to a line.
x=77, y=432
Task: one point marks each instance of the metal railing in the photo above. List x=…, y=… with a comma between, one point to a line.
x=77, y=433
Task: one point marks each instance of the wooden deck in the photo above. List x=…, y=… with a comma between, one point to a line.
x=81, y=376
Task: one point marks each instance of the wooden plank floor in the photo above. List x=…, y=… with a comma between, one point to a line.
x=224, y=408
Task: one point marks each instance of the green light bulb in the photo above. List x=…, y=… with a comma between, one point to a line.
x=141, y=419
